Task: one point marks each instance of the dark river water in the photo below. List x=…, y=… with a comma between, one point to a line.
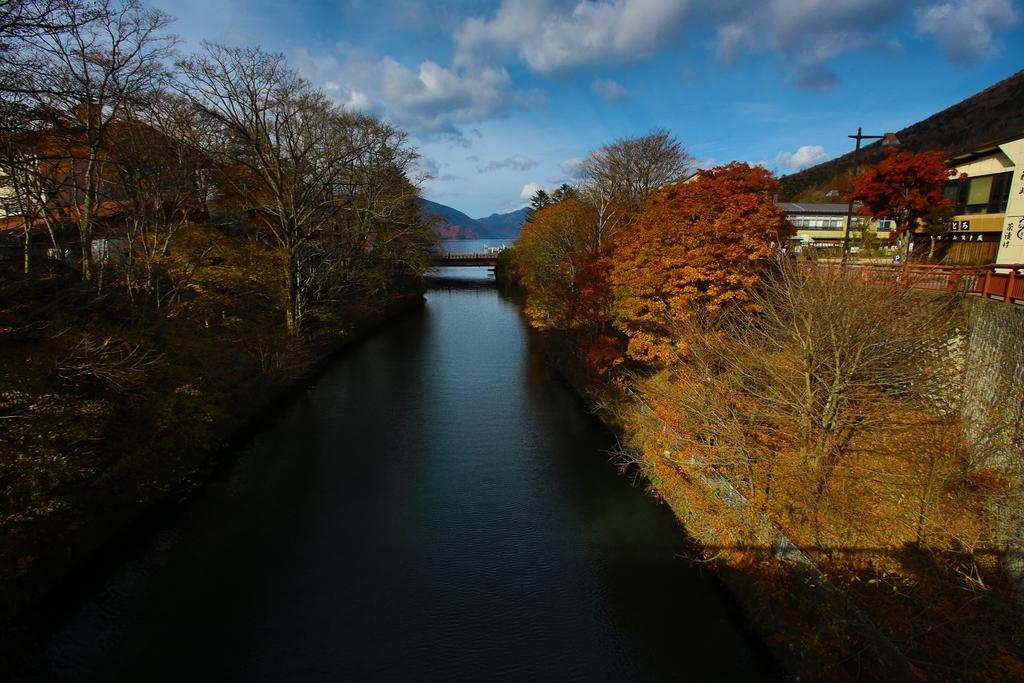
x=436, y=506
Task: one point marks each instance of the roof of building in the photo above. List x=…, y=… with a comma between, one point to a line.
x=980, y=152
x=108, y=208
x=808, y=207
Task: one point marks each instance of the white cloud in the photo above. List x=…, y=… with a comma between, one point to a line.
x=551, y=36
x=571, y=167
x=356, y=100
x=529, y=189
x=429, y=100
x=805, y=34
x=808, y=155
x=612, y=91
x=428, y=166
x=554, y=36
x=323, y=71
x=964, y=29
x=432, y=97
x=433, y=169
x=517, y=162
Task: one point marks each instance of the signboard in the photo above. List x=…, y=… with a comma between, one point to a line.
x=968, y=237
x=1013, y=232
x=960, y=225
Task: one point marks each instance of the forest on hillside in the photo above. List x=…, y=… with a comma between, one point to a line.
x=994, y=115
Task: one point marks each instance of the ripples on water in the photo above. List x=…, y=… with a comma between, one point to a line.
x=437, y=506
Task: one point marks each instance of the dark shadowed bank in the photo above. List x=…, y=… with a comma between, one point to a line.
x=811, y=628
x=148, y=470
x=823, y=615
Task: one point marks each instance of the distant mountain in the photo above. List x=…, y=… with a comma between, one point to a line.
x=451, y=223
x=502, y=225
x=993, y=115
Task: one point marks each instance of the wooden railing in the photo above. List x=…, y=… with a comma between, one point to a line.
x=444, y=258
x=1002, y=282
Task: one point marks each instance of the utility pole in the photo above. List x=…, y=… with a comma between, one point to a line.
x=890, y=140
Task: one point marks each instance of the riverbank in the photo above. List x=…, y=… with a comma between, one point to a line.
x=766, y=595
x=835, y=611
x=434, y=506
x=153, y=442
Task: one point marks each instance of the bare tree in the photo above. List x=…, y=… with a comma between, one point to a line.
x=31, y=188
x=95, y=62
x=382, y=225
x=628, y=170
x=18, y=17
x=296, y=159
x=159, y=172
x=609, y=215
x=22, y=21
x=281, y=142
x=818, y=372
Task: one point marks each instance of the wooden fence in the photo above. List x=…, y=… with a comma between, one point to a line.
x=994, y=281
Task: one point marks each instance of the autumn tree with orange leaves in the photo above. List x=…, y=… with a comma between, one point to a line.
x=554, y=247
x=565, y=251
x=905, y=187
x=562, y=260
x=698, y=246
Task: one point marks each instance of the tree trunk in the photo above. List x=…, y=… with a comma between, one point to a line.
x=27, y=247
x=85, y=218
x=924, y=503
x=293, y=317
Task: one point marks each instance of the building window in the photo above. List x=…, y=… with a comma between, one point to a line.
x=978, y=190
x=885, y=225
x=981, y=194
x=1000, y=195
x=952, y=191
x=817, y=223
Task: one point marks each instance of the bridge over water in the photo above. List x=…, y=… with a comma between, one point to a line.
x=445, y=259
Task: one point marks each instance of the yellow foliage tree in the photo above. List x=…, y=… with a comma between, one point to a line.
x=698, y=245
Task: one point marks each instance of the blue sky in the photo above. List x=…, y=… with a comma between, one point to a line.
x=505, y=96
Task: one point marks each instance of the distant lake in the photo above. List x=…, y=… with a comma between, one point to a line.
x=473, y=246
x=463, y=275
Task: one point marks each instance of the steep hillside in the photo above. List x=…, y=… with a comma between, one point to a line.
x=993, y=115
x=502, y=225
x=451, y=223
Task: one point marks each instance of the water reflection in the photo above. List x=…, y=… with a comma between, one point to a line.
x=437, y=506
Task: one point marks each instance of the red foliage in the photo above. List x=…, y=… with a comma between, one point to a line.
x=905, y=187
